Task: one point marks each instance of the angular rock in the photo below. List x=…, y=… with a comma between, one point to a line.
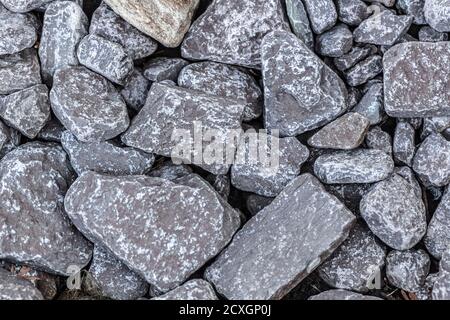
x=428, y=34
x=345, y=133
x=65, y=24
x=441, y=287
x=52, y=131
x=225, y=81
x=171, y=113
x=349, y=194
x=356, y=55
x=105, y=57
x=34, y=228
x=355, y=263
x=169, y=171
x=434, y=125
x=364, y=70
x=9, y=139
x=413, y=8
x=376, y=138
x=192, y=290
x=166, y=21
x=231, y=31
x=27, y=5
x=19, y=71
x=355, y=166
x=109, y=25
x=15, y=288
x=408, y=270
x=404, y=145
x=322, y=14
x=160, y=69
x=46, y=283
x=387, y=3
x=301, y=92
x=17, y=32
x=88, y=105
x=255, y=203
x=282, y=244
x=437, y=239
x=342, y=295
x=135, y=90
x=437, y=14
x=335, y=42
x=372, y=104
x=409, y=69
x=352, y=12
x=300, y=22
x=395, y=213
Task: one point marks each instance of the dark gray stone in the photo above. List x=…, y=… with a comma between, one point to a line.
x=135, y=90
x=335, y=42
x=437, y=14
x=365, y=70
x=160, y=69
x=428, y=34
x=413, y=8
x=52, y=131
x=404, y=145
x=437, y=239
x=376, y=138
x=341, y=295
x=300, y=22
x=372, y=104
x=9, y=139
x=441, y=287
x=169, y=171
x=355, y=55
x=322, y=14
x=17, y=31
x=255, y=203
x=192, y=290
x=14, y=288
x=352, y=12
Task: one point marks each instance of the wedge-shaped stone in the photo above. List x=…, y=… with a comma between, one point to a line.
x=14, y=288
x=162, y=230
x=17, y=32
x=196, y=289
x=163, y=68
x=282, y=244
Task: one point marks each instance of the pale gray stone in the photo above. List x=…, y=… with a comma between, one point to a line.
x=197, y=289
x=300, y=22
x=437, y=14
x=441, y=287
x=322, y=14
x=9, y=139
x=17, y=32
x=413, y=8
x=428, y=34
x=404, y=145
x=372, y=104
x=355, y=55
x=14, y=288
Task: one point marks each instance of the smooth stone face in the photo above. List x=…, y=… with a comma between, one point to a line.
x=282, y=244
x=105, y=157
x=170, y=109
x=355, y=263
x=301, y=93
x=413, y=8
x=335, y=42
x=437, y=14
x=365, y=70
x=404, y=145
x=267, y=179
x=135, y=90
x=105, y=57
x=345, y=133
x=162, y=230
x=355, y=166
x=225, y=81
x=407, y=270
x=300, y=22
x=355, y=55
x=88, y=105
x=65, y=24
x=17, y=32
x=432, y=161
x=342, y=295
x=113, y=279
x=352, y=12
x=192, y=290
x=409, y=69
x=231, y=31
x=166, y=21
x=437, y=239
x=109, y=25
x=19, y=71
x=428, y=34
x=376, y=138
x=160, y=69
x=372, y=104
x=34, y=228
x=441, y=287
x=27, y=111
x=322, y=14
x=395, y=213
x=14, y=288
x=383, y=29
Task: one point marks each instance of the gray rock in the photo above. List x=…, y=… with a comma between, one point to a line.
x=52, y=131
x=255, y=203
x=135, y=90
x=407, y=173
x=409, y=69
x=404, y=145
x=9, y=139
x=44, y=6
x=17, y=32
x=46, y=283
x=408, y=270
x=231, y=31
x=27, y=111
x=282, y=244
x=428, y=34
x=395, y=213
x=365, y=70
x=355, y=263
x=437, y=14
x=387, y=3
x=75, y=91
x=168, y=108
x=425, y=291
x=105, y=57
x=14, y=288
x=335, y=42
x=169, y=171
x=341, y=295
x=352, y=12
x=162, y=230
x=354, y=95
x=166, y=21
x=355, y=166
x=355, y=55
x=345, y=133
x=349, y=194
x=434, y=125
x=432, y=161
x=225, y=81
x=28, y=5
x=192, y=290
x=376, y=138
x=301, y=92
x=160, y=69
x=267, y=178
x=111, y=278
x=437, y=239
x=105, y=157
x=413, y=8
x=109, y=25
x=300, y=22
x=65, y=24
x=441, y=287
x=35, y=230
x=322, y=14
x=19, y=71
x=372, y=104
x=383, y=29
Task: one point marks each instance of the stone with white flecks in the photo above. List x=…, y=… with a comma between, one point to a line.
x=22, y=6
x=88, y=105
x=162, y=230
x=65, y=24
x=322, y=14
x=13, y=287
x=231, y=31
x=226, y=81
x=345, y=133
x=170, y=171
x=372, y=104
x=160, y=69
x=282, y=244
x=135, y=90
x=352, y=12
x=356, y=54
x=376, y=138
x=335, y=42
x=407, y=270
x=437, y=14
x=300, y=22
x=395, y=212
x=434, y=125
x=387, y=3
x=413, y=8
x=441, y=287
x=365, y=70
x=9, y=139
x=34, y=228
x=356, y=262
x=52, y=131
x=354, y=166
x=437, y=239
x=301, y=92
x=196, y=289
x=428, y=34
x=404, y=145
x=341, y=295
x=17, y=32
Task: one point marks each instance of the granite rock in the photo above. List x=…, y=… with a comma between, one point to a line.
x=404, y=146
x=352, y=12
x=413, y=8
x=322, y=14
x=335, y=42
x=428, y=34
x=17, y=32
x=372, y=104
x=365, y=70
x=135, y=90
x=160, y=69
x=437, y=239
x=437, y=14
x=300, y=22
x=376, y=138
x=356, y=54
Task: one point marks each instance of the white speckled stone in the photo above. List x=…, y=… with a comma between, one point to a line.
x=299, y=21
x=404, y=146
x=335, y=42
x=322, y=14
x=14, y=288
x=17, y=31
x=196, y=289
x=437, y=14
x=163, y=68
x=378, y=139
x=437, y=239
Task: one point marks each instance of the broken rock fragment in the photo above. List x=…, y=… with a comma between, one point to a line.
x=378, y=139
x=364, y=70
x=428, y=34
x=355, y=55
x=372, y=104
x=437, y=14
x=352, y=12
x=404, y=145
x=160, y=69
x=300, y=22
x=196, y=289
x=14, y=288
x=437, y=239
x=135, y=90
x=342, y=295
x=17, y=32
x=413, y=8
x=322, y=14
x=335, y=42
